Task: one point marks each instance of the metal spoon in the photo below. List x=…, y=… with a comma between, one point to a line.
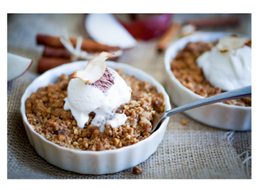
x=234, y=94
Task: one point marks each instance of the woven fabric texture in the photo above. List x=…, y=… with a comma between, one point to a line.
x=193, y=151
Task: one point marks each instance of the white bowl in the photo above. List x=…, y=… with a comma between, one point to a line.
x=219, y=115
x=92, y=162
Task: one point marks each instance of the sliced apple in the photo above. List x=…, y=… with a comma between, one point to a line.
x=230, y=43
x=94, y=70
x=17, y=65
x=106, y=29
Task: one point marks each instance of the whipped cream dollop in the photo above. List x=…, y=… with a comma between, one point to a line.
x=102, y=97
x=228, y=68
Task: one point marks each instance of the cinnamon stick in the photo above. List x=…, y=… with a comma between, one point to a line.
x=213, y=22
x=56, y=52
x=168, y=36
x=63, y=53
x=46, y=63
x=87, y=45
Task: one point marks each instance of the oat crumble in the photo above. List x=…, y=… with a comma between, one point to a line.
x=185, y=69
x=137, y=170
x=44, y=111
x=184, y=122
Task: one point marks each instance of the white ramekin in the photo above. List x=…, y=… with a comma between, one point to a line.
x=219, y=115
x=92, y=162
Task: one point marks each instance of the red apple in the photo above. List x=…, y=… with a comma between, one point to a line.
x=148, y=27
x=17, y=66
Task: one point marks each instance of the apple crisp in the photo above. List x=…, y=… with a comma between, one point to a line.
x=44, y=111
x=185, y=69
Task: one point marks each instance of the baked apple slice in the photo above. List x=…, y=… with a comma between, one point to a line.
x=94, y=69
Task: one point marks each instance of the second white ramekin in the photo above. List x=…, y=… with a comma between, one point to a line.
x=220, y=115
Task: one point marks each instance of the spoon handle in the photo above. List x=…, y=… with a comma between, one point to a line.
x=234, y=94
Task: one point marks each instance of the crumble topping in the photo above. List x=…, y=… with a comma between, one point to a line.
x=44, y=111
x=184, y=122
x=185, y=69
x=137, y=170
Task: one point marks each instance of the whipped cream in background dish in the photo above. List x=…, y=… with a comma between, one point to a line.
x=102, y=97
x=228, y=64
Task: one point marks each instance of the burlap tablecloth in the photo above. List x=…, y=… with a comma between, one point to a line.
x=191, y=151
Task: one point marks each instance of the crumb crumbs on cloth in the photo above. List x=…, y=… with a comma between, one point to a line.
x=184, y=122
x=137, y=170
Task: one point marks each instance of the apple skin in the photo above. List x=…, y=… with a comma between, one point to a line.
x=148, y=28
x=17, y=66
